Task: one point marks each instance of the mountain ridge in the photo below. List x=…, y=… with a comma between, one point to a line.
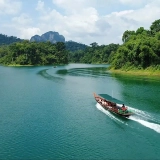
x=51, y=36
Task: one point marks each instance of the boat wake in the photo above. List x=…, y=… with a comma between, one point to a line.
x=145, y=119
x=46, y=75
x=99, y=107
x=153, y=126
x=140, y=116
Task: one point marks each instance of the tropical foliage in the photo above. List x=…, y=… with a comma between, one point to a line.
x=33, y=53
x=6, y=40
x=141, y=49
x=74, y=46
x=93, y=54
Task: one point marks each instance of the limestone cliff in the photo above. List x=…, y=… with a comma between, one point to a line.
x=51, y=36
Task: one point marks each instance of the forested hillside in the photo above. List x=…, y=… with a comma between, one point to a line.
x=74, y=46
x=140, y=49
x=93, y=53
x=6, y=40
x=33, y=53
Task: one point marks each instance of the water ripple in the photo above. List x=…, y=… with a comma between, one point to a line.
x=88, y=72
x=44, y=74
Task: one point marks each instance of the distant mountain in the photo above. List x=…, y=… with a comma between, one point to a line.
x=6, y=40
x=51, y=36
x=36, y=38
x=74, y=46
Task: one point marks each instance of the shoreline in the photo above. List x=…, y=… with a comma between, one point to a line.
x=18, y=65
x=146, y=73
x=29, y=65
x=133, y=72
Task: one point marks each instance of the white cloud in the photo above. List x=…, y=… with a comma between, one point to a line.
x=23, y=19
x=9, y=6
x=135, y=2
x=149, y=13
x=40, y=5
x=70, y=4
x=81, y=20
x=27, y=33
x=122, y=13
x=142, y=17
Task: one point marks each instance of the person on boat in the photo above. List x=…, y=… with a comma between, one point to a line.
x=105, y=103
x=99, y=100
x=124, y=108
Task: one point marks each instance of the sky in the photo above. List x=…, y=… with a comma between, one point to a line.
x=82, y=21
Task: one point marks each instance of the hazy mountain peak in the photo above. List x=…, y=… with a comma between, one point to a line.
x=51, y=36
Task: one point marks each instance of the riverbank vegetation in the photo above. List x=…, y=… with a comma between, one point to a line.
x=140, y=51
x=33, y=53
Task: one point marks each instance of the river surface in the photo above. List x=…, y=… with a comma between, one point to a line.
x=50, y=113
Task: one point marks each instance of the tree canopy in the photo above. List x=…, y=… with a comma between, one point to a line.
x=6, y=40
x=34, y=53
x=141, y=48
x=155, y=27
x=74, y=46
x=93, y=54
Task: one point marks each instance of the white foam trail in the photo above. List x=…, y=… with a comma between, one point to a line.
x=108, y=113
x=141, y=117
x=154, y=126
x=139, y=113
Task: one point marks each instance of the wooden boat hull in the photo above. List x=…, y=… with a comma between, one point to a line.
x=112, y=107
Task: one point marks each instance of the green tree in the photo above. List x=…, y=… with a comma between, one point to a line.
x=127, y=34
x=155, y=27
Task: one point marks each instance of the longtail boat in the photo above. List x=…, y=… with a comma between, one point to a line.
x=113, y=107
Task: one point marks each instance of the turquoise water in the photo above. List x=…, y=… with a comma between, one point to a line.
x=50, y=113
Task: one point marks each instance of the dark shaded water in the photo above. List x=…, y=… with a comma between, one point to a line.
x=50, y=113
